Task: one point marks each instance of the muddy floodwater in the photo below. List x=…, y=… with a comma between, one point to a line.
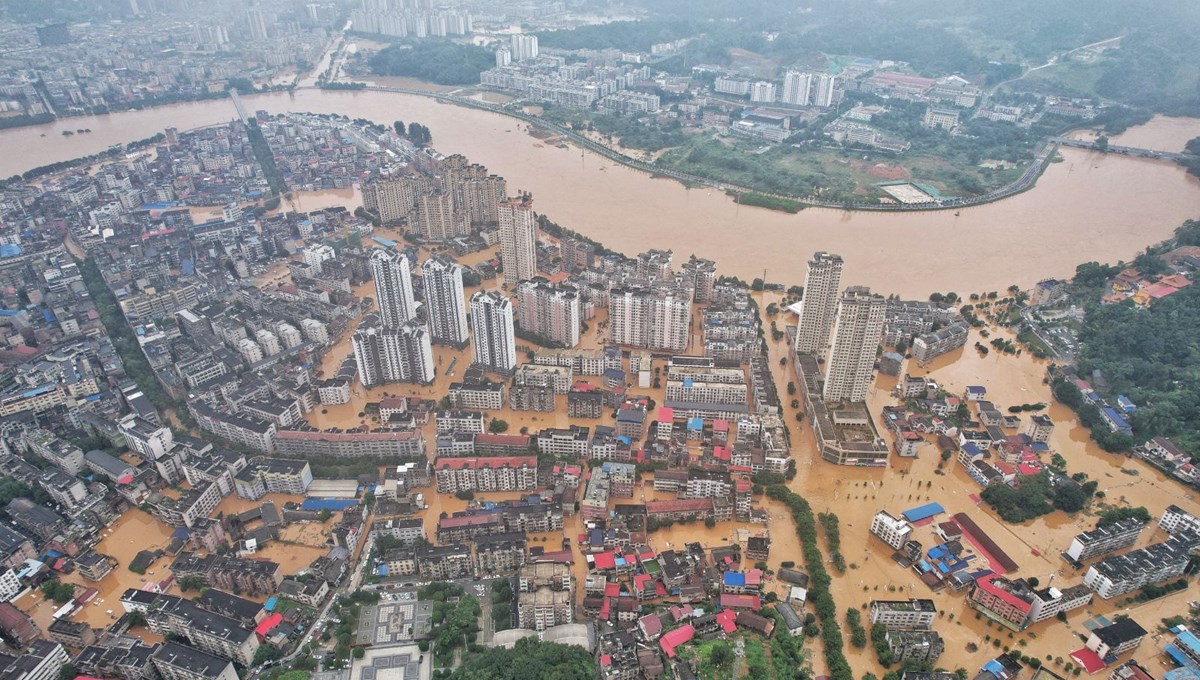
x=856, y=494
x=1087, y=207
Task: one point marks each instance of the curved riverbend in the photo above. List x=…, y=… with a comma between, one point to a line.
x=1089, y=207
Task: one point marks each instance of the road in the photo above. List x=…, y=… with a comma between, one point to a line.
x=349, y=586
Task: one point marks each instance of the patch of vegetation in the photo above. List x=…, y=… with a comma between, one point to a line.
x=1114, y=515
x=529, y=659
x=771, y=202
x=441, y=62
x=819, y=580
x=1036, y=496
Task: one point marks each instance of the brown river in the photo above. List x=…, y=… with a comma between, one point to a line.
x=1088, y=207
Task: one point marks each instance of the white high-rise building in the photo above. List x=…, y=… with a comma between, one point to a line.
x=444, y=299
x=503, y=57
x=855, y=343
x=393, y=287
x=493, y=333
x=257, y=22
x=549, y=312
x=315, y=255
x=823, y=89
x=762, y=92
x=518, y=239
x=386, y=355
x=819, y=305
x=523, y=46
x=796, y=86
x=652, y=318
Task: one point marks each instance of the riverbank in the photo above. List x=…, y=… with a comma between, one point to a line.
x=1088, y=207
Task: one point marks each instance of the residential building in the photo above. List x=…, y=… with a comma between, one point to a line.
x=174, y=661
x=550, y=312
x=402, y=353
x=915, y=614
x=445, y=301
x=517, y=473
x=393, y=287
x=855, y=342
x=656, y=317
x=1039, y=428
x=818, y=308
x=1002, y=600
x=920, y=646
x=518, y=238
x=1120, y=574
x=796, y=88
x=1175, y=519
x=545, y=595
x=1105, y=539
x=493, y=333
x=895, y=531
x=307, y=443
x=1116, y=638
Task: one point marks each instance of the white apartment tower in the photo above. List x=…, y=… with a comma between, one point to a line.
x=651, y=318
x=444, y=298
x=393, y=287
x=523, y=46
x=386, y=355
x=855, y=342
x=819, y=304
x=796, y=87
x=823, y=90
x=518, y=239
x=550, y=312
x=492, y=332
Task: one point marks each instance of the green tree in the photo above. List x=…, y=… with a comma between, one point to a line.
x=497, y=426
x=721, y=655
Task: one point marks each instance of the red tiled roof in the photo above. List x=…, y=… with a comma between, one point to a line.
x=986, y=583
x=267, y=625
x=727, y=618
x=730, y=601
x=676, y=637
x=612, y=590
x=605, y=560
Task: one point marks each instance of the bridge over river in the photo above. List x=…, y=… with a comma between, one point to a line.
x=1123, y=150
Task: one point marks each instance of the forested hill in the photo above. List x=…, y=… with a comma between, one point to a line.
x=1157, y=67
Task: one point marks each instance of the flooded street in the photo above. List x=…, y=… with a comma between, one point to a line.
x=1088, y=207
x=133, y=532
x=856, y=494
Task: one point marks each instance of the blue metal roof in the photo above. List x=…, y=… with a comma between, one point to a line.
x=923, y=512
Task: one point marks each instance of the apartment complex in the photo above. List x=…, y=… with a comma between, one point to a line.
x=518, y=238
x=545, y=596
x=855, y=341
x=493, y=333
x=393, y=287
x=397, y=354
x=656, y=317
x=1121, y=574
x=550, y=312
x=445, y=302
x=819, y=305
x=1105, y=539
x=515, y=473
x=912, y=614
